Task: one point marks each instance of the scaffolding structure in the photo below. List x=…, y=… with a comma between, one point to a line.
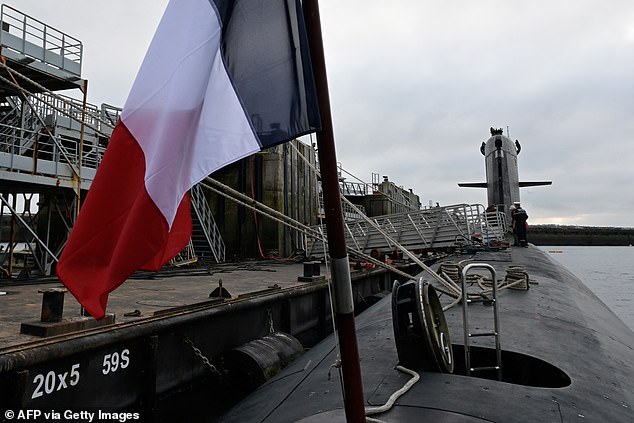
x=51, y=146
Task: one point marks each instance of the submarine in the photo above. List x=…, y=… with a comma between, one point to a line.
x=532, y=345
x=513, y=336
x=502, y=177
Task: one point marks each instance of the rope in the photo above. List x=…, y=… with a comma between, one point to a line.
x=445, y=280
x=337, y=363
x=520, y=277
x=236, y=196
x=373, y=223
x=453, y=303
x=369, y=411
x=516, y=278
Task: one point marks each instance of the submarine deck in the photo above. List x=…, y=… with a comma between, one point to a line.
x=558, y=321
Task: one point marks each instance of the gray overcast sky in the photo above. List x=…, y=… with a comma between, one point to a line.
x=416, y=84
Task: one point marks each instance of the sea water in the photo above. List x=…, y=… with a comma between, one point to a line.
x=607, y=271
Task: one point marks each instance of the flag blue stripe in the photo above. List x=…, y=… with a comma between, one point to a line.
x=266, y=55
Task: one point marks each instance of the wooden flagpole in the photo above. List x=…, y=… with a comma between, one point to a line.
x=340, y=267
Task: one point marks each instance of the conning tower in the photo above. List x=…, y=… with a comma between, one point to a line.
x=502, y=178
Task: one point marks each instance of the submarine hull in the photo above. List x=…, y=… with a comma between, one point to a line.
x=565, y=357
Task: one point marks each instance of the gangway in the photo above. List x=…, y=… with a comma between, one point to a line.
x=437, y=227
x=357, y=189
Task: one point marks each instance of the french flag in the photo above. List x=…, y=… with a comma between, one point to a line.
x=222, y=79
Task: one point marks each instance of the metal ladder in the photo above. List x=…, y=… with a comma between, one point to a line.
x=210, y=241
x=465, y=319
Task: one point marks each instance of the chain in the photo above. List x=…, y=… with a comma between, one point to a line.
x=202, y=357
x=271, y=328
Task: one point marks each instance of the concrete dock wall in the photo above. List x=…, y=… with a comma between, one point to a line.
x=580, y=235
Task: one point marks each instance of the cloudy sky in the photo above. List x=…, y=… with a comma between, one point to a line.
x=416, y=84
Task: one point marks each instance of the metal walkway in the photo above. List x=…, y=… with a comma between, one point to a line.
x=438, y=227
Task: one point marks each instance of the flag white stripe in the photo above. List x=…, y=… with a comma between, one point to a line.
x=184, y=131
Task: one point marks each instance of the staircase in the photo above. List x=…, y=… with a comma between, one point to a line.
x=206, y=238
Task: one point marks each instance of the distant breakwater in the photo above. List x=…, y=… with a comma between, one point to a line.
x=580, y=235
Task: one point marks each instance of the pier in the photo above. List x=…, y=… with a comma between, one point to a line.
x=580, y=235
x=168, y=339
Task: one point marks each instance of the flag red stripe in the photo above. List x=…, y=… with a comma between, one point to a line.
x=121, y=229
x=187, y=115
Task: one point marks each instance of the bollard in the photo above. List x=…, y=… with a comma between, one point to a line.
x=308, y=269
x=52, y=304
x=312, y=271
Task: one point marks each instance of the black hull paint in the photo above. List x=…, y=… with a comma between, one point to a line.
x=558, y=321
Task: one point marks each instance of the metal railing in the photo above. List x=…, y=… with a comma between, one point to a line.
x=40, y=134
x=39, y=41
x=206, y=219
x=438, y=227
x=349, y=213
x=354, y=188
x=66, y=112
x=37, y=153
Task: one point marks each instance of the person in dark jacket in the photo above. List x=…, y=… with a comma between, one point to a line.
x=520, y=217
